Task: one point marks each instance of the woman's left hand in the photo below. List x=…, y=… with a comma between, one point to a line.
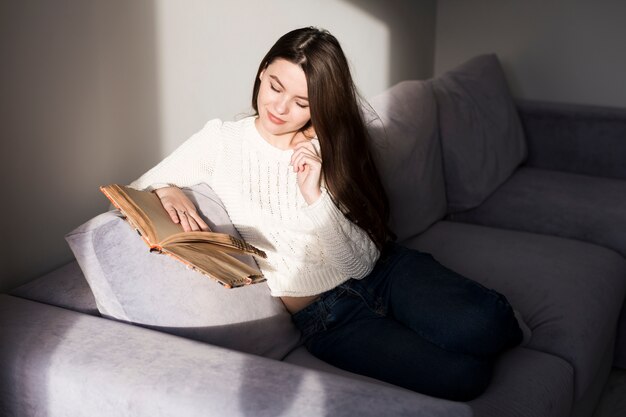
x=308, y=164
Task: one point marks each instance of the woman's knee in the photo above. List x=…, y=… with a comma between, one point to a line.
x=487, y=331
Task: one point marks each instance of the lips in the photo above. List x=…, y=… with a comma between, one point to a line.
x=274, y=119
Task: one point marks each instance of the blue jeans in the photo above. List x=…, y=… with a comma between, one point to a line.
x=414, y=323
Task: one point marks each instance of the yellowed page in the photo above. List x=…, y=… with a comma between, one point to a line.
x=201, y=250
x=222, y=241
x=150, y=204
x=218, y=265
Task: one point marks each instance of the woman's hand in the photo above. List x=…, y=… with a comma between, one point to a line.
x=181, y=209
x=308, y=164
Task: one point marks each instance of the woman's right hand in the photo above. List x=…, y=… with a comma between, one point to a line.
x=181, y=209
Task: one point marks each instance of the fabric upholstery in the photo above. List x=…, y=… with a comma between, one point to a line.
x=408, y=155
x=521, y=379
x=63, y=363
x=620, y=342
x=569, y=292
x=64, y=287
x=132, y=284
x=557, y=203
x=527, y=383
x=481, y=135
x=576, y=138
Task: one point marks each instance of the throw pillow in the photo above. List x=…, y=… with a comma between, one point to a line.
x=153, y=290
x=481, y=135
x=407, y=151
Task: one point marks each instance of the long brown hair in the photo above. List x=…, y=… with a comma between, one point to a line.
x=348, y=168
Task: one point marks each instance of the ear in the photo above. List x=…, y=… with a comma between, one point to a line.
x=261, y=74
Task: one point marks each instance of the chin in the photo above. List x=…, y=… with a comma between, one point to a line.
x=271, y=128
x=275, y=129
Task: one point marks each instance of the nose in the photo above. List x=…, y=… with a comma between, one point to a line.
x=281, y=106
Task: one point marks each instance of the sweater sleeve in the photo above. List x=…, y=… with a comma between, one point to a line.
x=191, y=163
x=348, y=247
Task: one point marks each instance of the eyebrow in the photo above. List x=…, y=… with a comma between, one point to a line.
x=273, y=77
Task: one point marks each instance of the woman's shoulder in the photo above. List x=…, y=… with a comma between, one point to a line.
x=229, y=128
x=222, y=129
x=217, y=124
x=241, y=123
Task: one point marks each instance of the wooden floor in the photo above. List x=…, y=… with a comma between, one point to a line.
x=613, y=400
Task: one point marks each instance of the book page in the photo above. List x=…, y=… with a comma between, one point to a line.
x=222, y=241
x=220, y=266
x=217, y=255
x=161, y=225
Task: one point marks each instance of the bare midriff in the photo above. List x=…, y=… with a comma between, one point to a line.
x=295, y=304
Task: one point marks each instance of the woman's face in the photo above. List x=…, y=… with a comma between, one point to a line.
x=282, y=101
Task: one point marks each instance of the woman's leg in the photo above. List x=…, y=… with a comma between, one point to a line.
x=382, y=348
x=448, y=309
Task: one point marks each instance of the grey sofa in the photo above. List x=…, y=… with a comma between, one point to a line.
x=527, y=198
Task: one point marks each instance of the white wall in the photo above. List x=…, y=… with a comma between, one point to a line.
x=78, y=107
x=95, y=92
x=558, y=50
x=209, y=51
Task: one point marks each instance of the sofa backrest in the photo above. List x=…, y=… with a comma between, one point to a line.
x=482, y=139
x=404, y=133
x=444, y=145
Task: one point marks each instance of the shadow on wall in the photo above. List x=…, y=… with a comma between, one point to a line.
x=79, y=106
x=411, y=27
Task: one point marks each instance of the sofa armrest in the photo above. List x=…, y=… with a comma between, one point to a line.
x=575, y=138
x=58, y=362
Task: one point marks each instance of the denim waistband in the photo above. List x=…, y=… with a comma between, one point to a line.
x=315, y=316
x=311, y=318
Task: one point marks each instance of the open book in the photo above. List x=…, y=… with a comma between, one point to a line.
x=216, y=255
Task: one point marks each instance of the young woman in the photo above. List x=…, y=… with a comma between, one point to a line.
x=299, y=182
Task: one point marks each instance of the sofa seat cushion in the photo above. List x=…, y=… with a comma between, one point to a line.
x=525, y=383
x=134, y=285
x=64, y=287
x=569, y=292
x=557, y=203
x=62, y=363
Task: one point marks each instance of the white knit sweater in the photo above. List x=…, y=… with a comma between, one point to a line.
x=310, y=248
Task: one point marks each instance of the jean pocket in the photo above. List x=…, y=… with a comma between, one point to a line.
x=368, y=298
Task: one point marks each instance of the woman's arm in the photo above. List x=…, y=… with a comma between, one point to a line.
x=348, y=247
x=191, y=163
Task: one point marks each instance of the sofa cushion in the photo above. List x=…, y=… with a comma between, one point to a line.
x=408, y=155
x=134, y=285
x=569, y=292
x=61, y=363
x=508, y=394
x=64, y=287
x=527, y=383
x=481, y=136
x=557, y=203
